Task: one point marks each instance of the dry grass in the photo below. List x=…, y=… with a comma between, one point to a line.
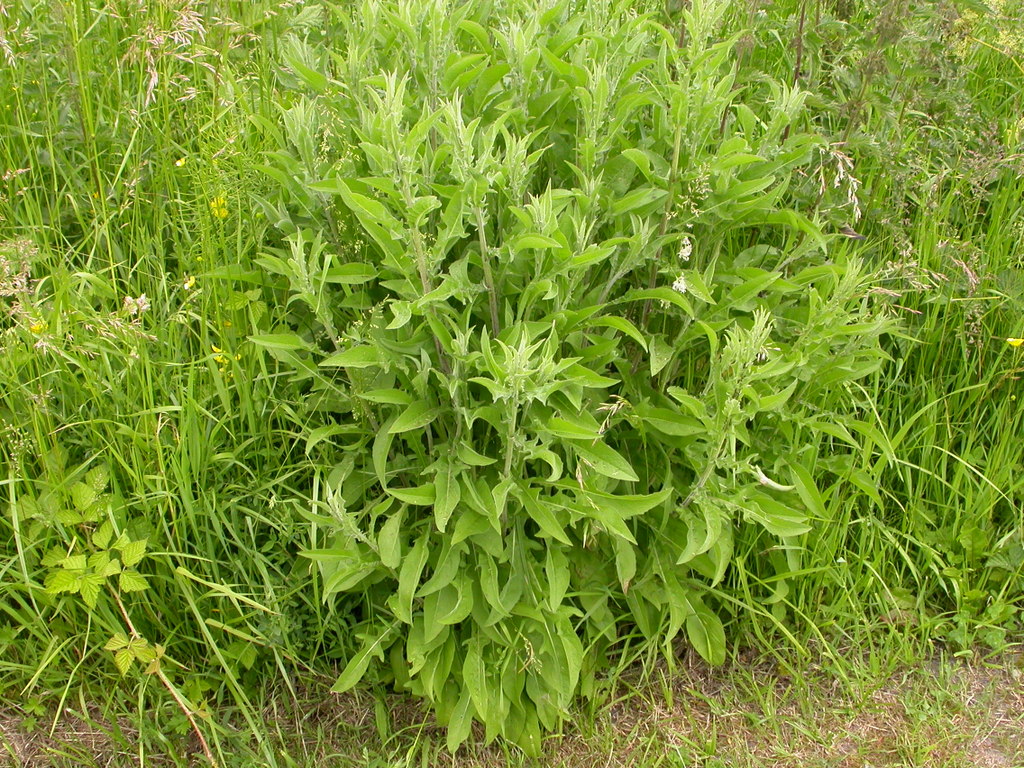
x=951, y=714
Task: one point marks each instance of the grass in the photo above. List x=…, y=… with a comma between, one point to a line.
x=152, y=155
x=946, y=712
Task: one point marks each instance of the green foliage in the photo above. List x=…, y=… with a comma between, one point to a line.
x=483, y=349
x=565, y=325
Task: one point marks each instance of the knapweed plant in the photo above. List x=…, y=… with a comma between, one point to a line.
x=564, y=337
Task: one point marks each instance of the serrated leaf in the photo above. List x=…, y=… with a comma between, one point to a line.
x=68, y=517
x=236, y=301
x=101, y=536
x=117, y=642
x=123, y=660
x=28, y=507
x=144, y=652
x=415, y=416
x=63, y=581
x=53, y=557
x=90, y=589
x=132, y=581
x=75, y=562
x=83, y=496
x=98, y=561
x=97, y=478
x=133, y=552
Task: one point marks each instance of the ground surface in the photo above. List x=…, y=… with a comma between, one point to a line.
x=952, y=712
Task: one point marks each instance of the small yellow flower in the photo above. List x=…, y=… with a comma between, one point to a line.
x=1015, y=342
x=219, y=207
x=216, y=349
x=37, y=327
x=180, y=161
x=226, y=323
x=190, y=283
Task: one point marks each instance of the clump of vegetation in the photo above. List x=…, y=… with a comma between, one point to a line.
x=478, y=350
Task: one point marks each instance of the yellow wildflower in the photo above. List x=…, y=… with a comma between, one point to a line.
x=1015, y=342
x=190, y=283
x=219, y=207
x=38, y=327
x=180, y=161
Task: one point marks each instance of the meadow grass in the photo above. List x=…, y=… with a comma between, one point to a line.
x=153, y=155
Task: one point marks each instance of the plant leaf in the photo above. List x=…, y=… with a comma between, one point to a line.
x=357, y=665
x=705, y=631
x=356, y=357
x=415, y=416
x=606, y=461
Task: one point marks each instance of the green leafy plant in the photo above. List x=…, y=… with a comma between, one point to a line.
x=577, y=344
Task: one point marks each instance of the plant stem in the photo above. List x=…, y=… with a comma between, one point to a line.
x=178, y=699
x=666, y=215
x=488, y=278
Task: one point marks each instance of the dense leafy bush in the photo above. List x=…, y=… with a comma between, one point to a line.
x=562, y=333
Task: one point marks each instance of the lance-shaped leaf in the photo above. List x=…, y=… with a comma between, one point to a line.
x=373, y=645
x=448, y=492
x=409, y=578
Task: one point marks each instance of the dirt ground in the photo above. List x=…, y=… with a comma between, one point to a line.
x=951, y=714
